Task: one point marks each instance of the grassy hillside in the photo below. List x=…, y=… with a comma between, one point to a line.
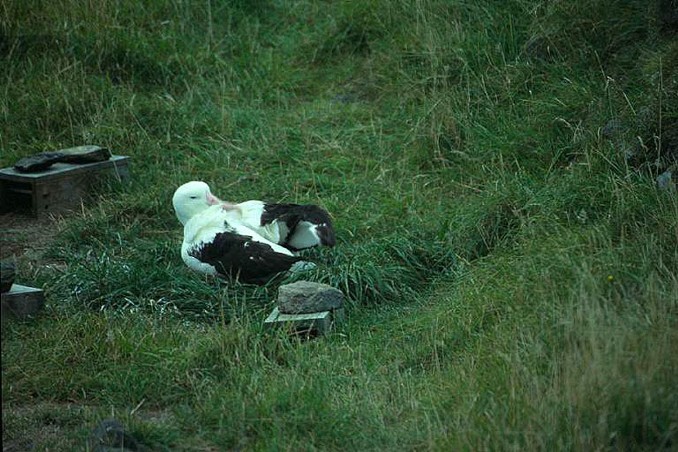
x=509, y=258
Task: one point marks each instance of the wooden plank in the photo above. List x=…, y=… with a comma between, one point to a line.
x=22, y=301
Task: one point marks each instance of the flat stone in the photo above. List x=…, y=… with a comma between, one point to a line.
x=305, y=297
x=38, y=162
x=22, y=302
x=315, y=323
x=85, y=154
x=78, y=155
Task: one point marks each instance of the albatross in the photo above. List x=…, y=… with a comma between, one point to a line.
x=253, y=240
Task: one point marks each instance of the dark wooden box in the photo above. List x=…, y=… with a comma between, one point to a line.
x=58, y=189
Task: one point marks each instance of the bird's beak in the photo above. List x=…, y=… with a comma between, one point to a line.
x=212, y=200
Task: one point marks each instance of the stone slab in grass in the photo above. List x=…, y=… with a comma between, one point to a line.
x=22, y=302
x=319, y=323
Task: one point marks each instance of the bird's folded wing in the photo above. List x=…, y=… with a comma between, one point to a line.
x=238, y=255
x=301, y=219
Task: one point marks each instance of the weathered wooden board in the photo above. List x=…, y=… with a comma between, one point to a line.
x=22, y=301
x=317, y=322
x=58, y=189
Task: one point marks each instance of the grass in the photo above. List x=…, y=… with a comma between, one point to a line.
x=508, y=260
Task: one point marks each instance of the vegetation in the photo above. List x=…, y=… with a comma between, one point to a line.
x=509, y=260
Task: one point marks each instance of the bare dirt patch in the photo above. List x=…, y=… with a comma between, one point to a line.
x=51, y=426
x=21, y=234
x=26, y=240
x=61, y=426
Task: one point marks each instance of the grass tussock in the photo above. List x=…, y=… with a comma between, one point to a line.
x=507, y=252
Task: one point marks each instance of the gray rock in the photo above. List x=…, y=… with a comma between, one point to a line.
x=38, y=162
x=85, y=154
x=665, y=182
x=80, y=154
x=305, y=297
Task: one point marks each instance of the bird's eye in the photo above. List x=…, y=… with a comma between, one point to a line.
x=194, y=197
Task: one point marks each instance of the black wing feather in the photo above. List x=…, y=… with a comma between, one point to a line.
x=238, y=256
x=292, y=214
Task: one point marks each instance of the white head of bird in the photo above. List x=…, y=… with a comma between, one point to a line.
x=192, y=198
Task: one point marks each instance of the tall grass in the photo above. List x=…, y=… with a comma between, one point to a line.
x=508, y=260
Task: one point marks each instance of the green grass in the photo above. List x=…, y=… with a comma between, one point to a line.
x=510, y=274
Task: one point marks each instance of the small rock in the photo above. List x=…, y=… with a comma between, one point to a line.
x=305, y=297
x=665, y=182
x=110, y=434
x=7, y=275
